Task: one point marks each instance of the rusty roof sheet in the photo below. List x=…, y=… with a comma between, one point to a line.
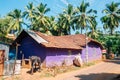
x=63, y=42
x=67, y=42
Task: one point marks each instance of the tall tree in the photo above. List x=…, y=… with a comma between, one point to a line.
x=84, y=17
x=29, y=13
x=53, y=26
x=16, y=21
x=41, y=22
x=60, y=28
x=112, y=18
x=68, y=18
x=93, y=33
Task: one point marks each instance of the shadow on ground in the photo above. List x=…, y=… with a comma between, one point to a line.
x=100, y=76
x=35, y=70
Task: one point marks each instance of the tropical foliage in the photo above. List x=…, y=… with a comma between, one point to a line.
x=29, y=13
x=16, y=21
x=85, y=18
x=66, y=19
x=112, y=18
x=111, y=43
x=4, y=24
x=41, y=22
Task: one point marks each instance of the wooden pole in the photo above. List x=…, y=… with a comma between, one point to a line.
x=15, y=58
x=86, y=39
x=22, y=60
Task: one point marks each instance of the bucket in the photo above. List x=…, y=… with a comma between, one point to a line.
x=18, y=67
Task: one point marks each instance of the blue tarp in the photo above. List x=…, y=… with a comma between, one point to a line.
x=12, y=54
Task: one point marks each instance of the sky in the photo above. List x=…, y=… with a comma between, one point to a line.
x=56, y=6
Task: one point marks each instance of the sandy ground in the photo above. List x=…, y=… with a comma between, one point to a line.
x=102, y=71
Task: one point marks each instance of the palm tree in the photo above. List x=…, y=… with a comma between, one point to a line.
x=41, y=22
x=84, y=19
x=68, y=18
x=29, y=13
x=53, y=26
x=112, y=18
x=94, y=33
x=16, y=21
x=60, y=28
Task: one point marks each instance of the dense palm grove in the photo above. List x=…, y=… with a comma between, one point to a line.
x=80, y=19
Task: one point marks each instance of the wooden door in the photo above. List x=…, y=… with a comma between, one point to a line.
x=2, y=56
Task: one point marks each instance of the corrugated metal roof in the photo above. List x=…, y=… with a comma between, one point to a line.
x=36, y=37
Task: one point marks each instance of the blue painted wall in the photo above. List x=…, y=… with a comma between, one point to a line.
x=30, y=47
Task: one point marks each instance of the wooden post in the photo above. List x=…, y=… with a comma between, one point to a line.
x=23, y=60
x=86, y=44
x=15, y=58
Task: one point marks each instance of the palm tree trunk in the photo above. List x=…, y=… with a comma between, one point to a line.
x=81, y=30
x=111, y=31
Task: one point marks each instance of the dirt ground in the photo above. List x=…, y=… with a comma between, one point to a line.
x=108, y=70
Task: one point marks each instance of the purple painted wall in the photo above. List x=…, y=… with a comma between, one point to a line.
x=58, y=56
x=94, y=52
x=30, y=47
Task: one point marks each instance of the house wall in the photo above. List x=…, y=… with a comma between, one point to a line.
x=58, y=56
x=6, y=48
x=94, y=52
x=29, y=47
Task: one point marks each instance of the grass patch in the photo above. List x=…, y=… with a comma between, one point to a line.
x=48, y=75
x=89, y=64
x=59, y=70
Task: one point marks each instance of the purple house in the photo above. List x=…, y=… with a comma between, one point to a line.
x=54, y=50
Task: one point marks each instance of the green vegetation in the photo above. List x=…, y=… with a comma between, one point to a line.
x=16, y=21
x=111, y=43
x=3, y=30
x=80, y=18
x=112, y=18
